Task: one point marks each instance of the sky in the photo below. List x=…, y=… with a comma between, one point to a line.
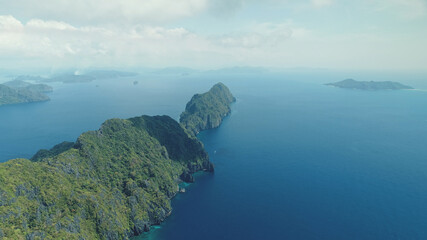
x=209, y=34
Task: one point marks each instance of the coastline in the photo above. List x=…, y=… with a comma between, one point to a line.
x=116, y=182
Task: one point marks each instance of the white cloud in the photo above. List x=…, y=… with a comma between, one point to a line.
x=104, y=12
x=266, y=35
x=48, y=43
x=225, y=8
x=241, y=40
x=59, y=43
x=40, y=24
x=9, y=23
x=407, y=9
x=321, y=3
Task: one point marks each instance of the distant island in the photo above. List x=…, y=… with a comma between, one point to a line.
x=77, y=77
x=30, y=78
x=113, y=183
x=18, y=91
x=71, y=78
x=365, y=85
x=180, y=71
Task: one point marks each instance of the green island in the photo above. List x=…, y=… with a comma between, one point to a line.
x=206, y=111
x=18, y=91
x=365, y=85
x=112, y=183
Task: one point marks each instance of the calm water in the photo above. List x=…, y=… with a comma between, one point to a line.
x=294, y=160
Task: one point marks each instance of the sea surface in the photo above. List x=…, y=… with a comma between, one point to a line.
x=294, y=160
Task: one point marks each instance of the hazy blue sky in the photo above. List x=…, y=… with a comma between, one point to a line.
x=336, y=34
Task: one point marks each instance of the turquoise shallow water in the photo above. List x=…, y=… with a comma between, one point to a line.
x=294, y=160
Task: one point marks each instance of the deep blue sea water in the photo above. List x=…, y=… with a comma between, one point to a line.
x=295, y=159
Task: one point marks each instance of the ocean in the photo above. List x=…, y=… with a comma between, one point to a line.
x=295, y=159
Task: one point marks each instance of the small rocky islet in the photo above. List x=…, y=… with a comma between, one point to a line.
x=207, y=110
x=113, y=183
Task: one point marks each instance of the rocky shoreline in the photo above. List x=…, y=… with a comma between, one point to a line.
x=113, y=183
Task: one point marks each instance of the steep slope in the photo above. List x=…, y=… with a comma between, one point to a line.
x=56, y=150
x=112, y=184
x=205, y=111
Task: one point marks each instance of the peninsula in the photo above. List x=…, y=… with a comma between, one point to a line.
x=113, y=183
x=365, y=85
x=18, y=91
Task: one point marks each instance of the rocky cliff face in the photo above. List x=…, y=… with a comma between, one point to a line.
x=207, y=110
x=113, y=183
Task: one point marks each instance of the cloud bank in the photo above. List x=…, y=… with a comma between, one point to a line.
x=60, y=43
x=158, y=33
x=102, y=12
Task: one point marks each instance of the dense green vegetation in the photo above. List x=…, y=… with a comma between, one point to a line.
x=56, y=150
x=10, y=95
x=207, y=110
x=112, y=183
x=364, y=85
